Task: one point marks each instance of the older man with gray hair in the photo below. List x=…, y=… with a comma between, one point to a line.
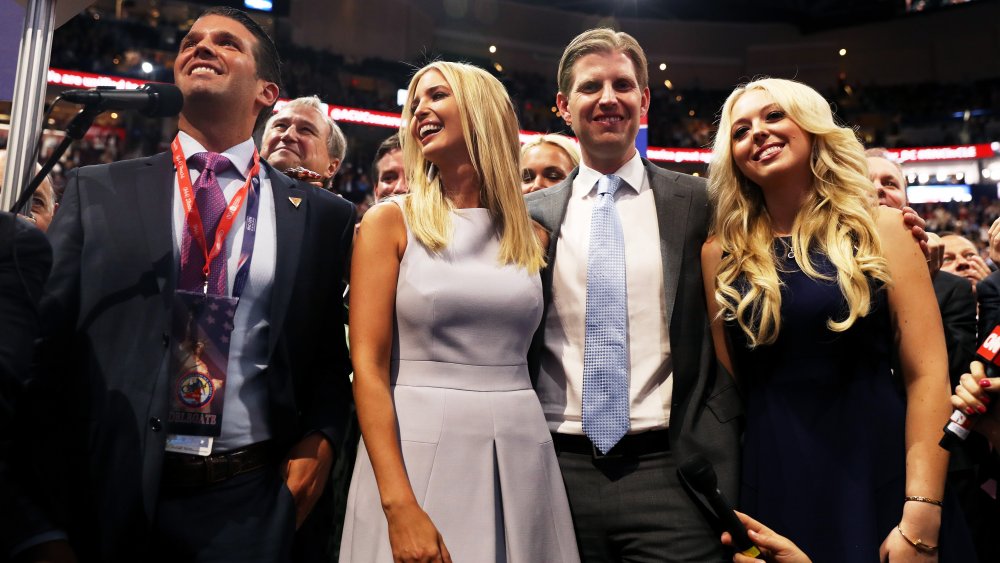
x=302, y=140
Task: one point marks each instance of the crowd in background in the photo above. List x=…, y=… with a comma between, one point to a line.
x=897, y=116
x=681, y=116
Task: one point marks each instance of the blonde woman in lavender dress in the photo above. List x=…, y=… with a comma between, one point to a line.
x=457, y=463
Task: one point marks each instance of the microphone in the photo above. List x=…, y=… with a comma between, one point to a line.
x=152, y=99
x=960, y=423
x=699, y=474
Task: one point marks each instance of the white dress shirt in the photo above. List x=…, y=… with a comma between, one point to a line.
x=245, y=409
x=560, y=381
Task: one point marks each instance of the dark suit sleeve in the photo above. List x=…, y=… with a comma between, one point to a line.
x=958, y=314
x=25, y=259
x=327, y=408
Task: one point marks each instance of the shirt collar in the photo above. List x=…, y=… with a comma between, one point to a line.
x=632, y=172
x=240, y=155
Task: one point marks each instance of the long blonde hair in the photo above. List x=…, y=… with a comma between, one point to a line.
x=490, y=128
x=837, y=218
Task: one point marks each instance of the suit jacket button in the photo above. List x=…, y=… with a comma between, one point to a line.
x=155, y=424
x=166, y=340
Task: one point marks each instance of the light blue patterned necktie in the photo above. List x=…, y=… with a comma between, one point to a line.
x=605, y=351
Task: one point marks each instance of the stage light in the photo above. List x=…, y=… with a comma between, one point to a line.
x=493, y=48
x=147, y=67
x=843, y=52
x=663, y=66
x=668, y=84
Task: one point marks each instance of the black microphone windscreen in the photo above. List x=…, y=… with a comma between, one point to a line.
x=168, y=102
x=698, y=472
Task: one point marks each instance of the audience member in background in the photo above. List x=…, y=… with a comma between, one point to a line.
x=43, y=203
x=387, y=169
x=955, y=296
x=136, y=295
x=774, y=547
x=26, y=528
x=793, y=214
x=547, y=161
x=302, y=135
x=457, y=464
x=975, y=395
x=982, y=501
x=962, y=259
x=988, y=290
x=890, y=182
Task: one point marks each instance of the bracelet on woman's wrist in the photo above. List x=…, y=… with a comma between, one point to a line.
x=927, y=500
x=918, y=544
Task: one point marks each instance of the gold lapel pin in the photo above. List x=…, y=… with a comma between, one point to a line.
x=295, y=201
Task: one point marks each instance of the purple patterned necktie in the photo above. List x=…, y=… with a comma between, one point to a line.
x=211, y=205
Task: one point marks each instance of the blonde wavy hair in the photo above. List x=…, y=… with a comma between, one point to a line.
x=490, y=129
x=837, y=218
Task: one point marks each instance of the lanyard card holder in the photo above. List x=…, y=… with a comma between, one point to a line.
x=201, y=329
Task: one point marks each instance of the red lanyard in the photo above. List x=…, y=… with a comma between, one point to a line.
x=191, y=210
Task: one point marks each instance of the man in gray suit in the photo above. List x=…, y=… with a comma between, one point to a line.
x=627, y=406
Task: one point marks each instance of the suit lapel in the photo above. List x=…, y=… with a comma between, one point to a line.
x=291, y=208
x=672, y=215
x=551, y=210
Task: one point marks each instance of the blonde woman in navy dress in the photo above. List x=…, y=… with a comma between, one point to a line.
x=457, y=462
x=814, y=290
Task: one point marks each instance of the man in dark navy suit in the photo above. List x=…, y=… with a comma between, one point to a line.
x=212, y=222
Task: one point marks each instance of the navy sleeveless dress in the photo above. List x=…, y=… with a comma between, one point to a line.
x=824, y=448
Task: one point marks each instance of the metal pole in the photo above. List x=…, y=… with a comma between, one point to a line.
x=29, y=97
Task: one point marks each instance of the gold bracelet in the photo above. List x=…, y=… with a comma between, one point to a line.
x=928, y=500
x=918, y=544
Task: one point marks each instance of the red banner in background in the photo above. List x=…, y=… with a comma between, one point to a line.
x=954, y=152
x=74, y=79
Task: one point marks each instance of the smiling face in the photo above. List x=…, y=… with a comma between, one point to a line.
x=543, y=166
x=604, y=107
x=888, y=181
x=436, y=123
x=768, y=147
x=216, y=66
x=297, y=136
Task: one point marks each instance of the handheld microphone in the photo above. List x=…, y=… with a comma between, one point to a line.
x=960, y=423
x=700, y=475
x=152, y=99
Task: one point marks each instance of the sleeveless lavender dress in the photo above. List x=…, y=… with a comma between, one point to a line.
x=475, y=444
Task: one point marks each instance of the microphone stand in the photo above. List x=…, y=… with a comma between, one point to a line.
x=74, y=132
